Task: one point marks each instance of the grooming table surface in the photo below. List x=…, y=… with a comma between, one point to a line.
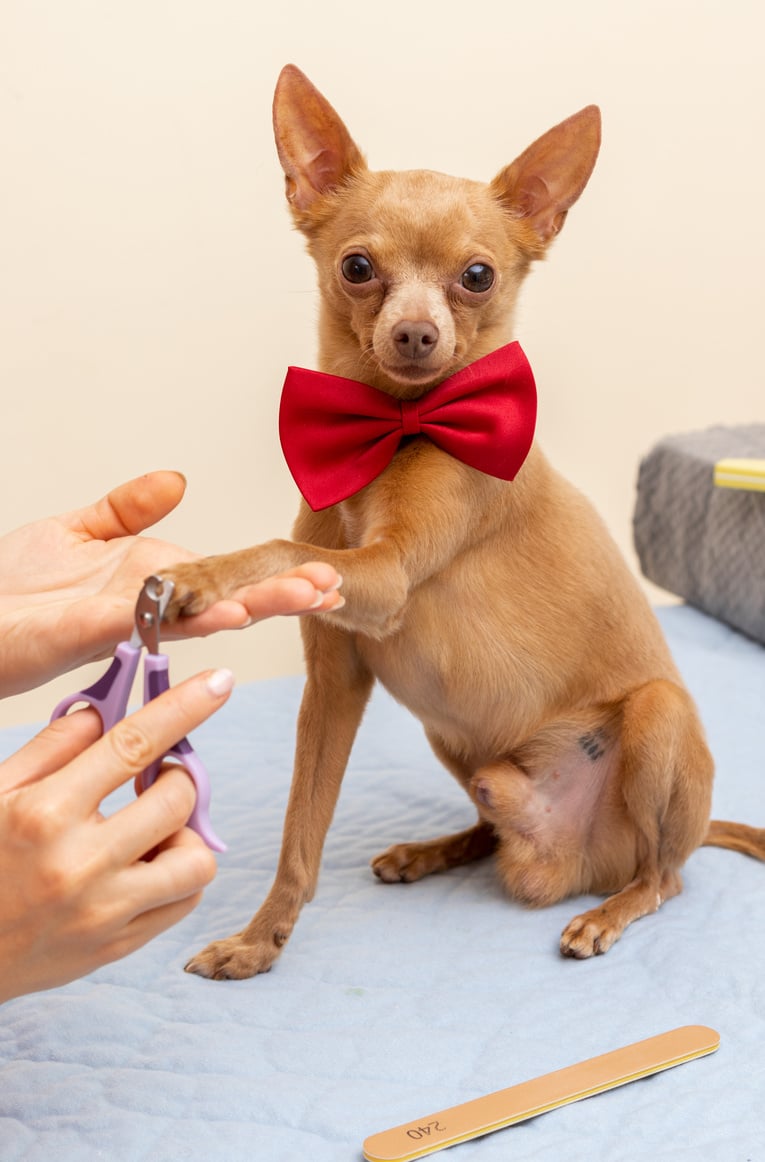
x=392, y=1001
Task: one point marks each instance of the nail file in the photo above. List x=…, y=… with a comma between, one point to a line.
x=483, y=1115
x=748, y=475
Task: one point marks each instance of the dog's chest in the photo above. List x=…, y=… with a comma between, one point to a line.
x=459, y=671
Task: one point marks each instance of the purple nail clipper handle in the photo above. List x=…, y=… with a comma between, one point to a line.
x=110, y=694
x=156, y=681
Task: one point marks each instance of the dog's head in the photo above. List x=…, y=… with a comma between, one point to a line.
x=419, y=272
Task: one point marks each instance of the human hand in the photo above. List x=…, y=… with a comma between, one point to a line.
x=69, y=584
x=80, y=890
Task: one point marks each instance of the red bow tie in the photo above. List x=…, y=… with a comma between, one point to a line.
x=338, y=434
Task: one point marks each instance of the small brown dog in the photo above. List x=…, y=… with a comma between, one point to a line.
x=501, y=614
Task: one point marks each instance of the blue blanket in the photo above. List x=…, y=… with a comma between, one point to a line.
x=393, y=1002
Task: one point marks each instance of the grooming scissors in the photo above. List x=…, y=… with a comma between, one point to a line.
x=110, y=694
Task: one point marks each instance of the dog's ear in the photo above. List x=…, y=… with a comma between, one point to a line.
x=541, y=185
x=316, y=150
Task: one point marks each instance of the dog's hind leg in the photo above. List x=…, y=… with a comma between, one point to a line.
x=335, y=696
x=666, y=783
x=407, y=862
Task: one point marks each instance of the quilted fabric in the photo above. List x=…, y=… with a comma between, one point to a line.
x=392, y=1002
x=705, y=544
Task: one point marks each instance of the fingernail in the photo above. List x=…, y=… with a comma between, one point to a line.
x=220, y=682
x=326, y=592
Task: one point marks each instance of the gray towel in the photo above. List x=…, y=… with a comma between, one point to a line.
x=704, y=543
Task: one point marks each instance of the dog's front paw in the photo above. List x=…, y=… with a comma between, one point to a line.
x=232, y=959
x=196, y=586
x=590, y=934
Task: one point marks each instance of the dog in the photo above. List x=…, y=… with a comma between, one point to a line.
x=499, y=612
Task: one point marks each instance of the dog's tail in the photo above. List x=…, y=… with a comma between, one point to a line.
x=736, y=837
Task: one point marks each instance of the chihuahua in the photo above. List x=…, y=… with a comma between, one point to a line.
x=500, y=613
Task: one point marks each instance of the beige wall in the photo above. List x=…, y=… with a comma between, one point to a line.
x=152, y=292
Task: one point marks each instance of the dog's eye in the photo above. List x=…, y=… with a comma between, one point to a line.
x=357, y=268
x=478, y=278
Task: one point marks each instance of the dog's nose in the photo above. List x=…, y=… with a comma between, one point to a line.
x=415, y=339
